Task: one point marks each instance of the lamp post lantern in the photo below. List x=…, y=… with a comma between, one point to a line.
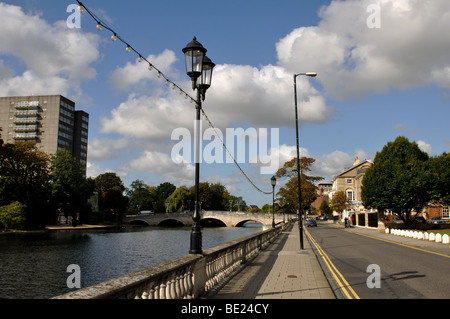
x=300, y=212
x=198, y=66
x=194, y=53
x=273, y=181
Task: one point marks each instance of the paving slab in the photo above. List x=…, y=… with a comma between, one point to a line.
x=281, y=271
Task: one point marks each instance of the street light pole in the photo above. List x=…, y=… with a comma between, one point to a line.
x=198, y=66
x=300, y=212
x=273, y=181
x=196, y=234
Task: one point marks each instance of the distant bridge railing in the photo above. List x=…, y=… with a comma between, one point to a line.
x=188, y=277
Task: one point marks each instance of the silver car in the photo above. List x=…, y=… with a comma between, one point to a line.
x=436, y=220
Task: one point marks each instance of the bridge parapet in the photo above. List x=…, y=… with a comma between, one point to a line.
x=230, y=219
x=187, y=277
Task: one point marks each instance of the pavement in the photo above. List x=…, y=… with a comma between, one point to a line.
x=281, y=271
x=284, y=271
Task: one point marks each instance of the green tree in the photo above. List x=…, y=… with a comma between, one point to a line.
x=396, y=180
x=12, y=215
x=325, y=208
x=70, y=188
x=112, y=203
x=178, y=200
x=160, y=194
x=140, y=197
x=215, y=196
x=288, y=194
x=25, y=178
x=438, y=179
x=339, y=202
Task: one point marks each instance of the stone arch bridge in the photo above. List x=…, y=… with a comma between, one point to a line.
x=216, y=218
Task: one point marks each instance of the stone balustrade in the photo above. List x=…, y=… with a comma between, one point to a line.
x=188, y=277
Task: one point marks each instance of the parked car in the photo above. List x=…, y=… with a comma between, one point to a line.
x=436, y=220
x=419, y=220
x=398, y=220
x=311, y=222
x=323, y=218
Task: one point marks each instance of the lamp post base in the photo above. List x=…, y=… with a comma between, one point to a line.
x=196, y=241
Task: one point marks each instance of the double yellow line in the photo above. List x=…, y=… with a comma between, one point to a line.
x=342, y=283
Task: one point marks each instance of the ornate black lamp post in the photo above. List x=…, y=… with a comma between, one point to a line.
x=300, y=212
x=273, y=181
x=198, y=66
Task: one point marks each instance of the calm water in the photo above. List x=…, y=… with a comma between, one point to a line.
x=35, y=266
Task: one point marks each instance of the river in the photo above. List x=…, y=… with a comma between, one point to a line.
x=34, y=266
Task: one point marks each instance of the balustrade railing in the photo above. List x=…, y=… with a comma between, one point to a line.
x=188, y=277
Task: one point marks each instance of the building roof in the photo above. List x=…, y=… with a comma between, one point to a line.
x=356, y=165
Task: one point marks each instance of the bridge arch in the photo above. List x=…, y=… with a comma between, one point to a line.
x=139, y=222
x=212, y=222
x=171, y=222
x=244, y=221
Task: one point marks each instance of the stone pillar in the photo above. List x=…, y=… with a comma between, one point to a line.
x=199, y=278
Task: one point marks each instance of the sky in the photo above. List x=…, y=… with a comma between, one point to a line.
x=383, y=71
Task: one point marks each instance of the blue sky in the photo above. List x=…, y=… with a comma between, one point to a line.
x=373, y=84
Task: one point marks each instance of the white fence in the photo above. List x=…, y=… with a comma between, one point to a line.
x=430, y=236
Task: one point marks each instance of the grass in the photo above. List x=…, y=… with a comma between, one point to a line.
x=440, y=231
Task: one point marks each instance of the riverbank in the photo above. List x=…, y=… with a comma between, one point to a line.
x=55, y=228
x=84, y=227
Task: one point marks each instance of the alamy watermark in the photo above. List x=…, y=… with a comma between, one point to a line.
x=374, y=280
x=74, y=19
x=245, y=146
x=74, y=280
x=374, y=19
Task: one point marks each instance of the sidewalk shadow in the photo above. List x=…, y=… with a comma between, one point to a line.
x=247, y=280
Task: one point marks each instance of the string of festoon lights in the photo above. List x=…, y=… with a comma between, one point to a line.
x=128, y=48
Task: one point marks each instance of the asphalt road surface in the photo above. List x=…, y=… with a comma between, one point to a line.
x=365, y=264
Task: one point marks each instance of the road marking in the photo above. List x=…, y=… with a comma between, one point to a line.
x=342, y=283
x=400, y=244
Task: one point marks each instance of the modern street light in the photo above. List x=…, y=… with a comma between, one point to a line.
x=273, y=181
x=198, y=66
x=300, y=212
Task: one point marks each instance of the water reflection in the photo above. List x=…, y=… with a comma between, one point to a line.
x=34, y=266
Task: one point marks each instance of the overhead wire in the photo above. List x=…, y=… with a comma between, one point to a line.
x=101, y=24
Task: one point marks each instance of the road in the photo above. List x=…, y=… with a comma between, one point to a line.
x=409, y=268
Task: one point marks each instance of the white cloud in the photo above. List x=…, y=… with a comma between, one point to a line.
x=424, y=147
x=107, y=148
x=410, y=49
x=150, y=117
x=255, y=94
x=132, y=74
x=160, y=163
x=263, y=97
x=57, y=58
x=332, y=164
x=94, y=170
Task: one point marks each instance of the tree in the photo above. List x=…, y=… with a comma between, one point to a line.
x=288, y=194
x=396, y=180
x=325, y=208
x=160, y=194
x=70, y=188
x=339, y=202
x=438, y=179
x=140, y=197
x=112, y=203
x=178, y=200
x=216, y=197
x=25, y=178
x=12, y=215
